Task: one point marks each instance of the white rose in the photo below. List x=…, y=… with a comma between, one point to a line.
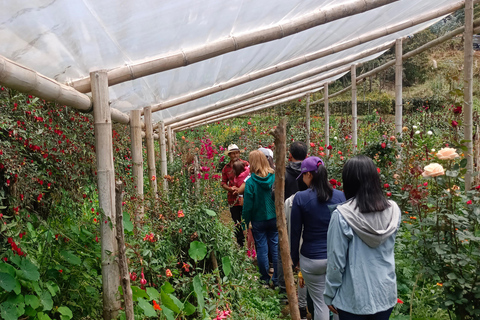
x=429, y=132
x=433, y=150
x=433, y=170
x=417, y=132
x=447, y=154
x=414, y=127
x=335, y=138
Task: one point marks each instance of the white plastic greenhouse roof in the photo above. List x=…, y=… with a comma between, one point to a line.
x=65, y=40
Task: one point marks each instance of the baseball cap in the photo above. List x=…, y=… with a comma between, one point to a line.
x=310, y=164
x=266, y=152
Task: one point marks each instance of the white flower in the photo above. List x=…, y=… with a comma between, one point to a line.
x=335, y=138
x=414, y=127
x=417, y=132
x=429, y=132
x=433, y=150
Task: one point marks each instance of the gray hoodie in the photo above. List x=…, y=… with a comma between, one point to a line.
x=373, y=228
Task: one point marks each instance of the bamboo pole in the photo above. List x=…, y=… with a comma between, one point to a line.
x=106, y=193
x=353, y=73
x=468, y=92
x=398, y=87
x=249, y=104
x=170, y=144
x=137, y=159
x=163, y=155
x=327, y=118
x=407, y=55
x=282, y=83
x=228, y=115
x=280, y=153
x=122, y=258
x=307, y=118
x=152, y=172
x=26, y=80
x=234, y=42
x=338, y=47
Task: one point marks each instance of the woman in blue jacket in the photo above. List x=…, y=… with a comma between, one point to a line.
x=311, y=214
x=361, y=282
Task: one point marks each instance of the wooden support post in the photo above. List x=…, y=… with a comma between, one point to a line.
x=398, y=87
x=106, y=192
x=353, y=73
x=152, y=172
x=170, y=144
x=137, y=159
x=327, y=118
x=163, y=155
x=307, y=120
x=280, y=154
x=468, y=92
x=122, y=258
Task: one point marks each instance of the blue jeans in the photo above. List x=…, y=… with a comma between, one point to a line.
x=265, y=234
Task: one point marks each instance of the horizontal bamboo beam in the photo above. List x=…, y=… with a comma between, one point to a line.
x=244, y=112
x=337, y=47
x=407, y=55
x=282, y=83
x=233, y=42
x=14, y=75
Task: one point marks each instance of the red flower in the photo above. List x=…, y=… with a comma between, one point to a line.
x=133, y=276
x=378, y=170
x=457, y=110
x=389, y=194
x=312, y=144
x=383, y=145
x=155, y=305
x=386, y=186
x=169, y=273
x=399, y=301
x=249, y=123
x=320, y=148
x=329, y=147
x=454, y=123
x=339, y=152
x=469, y=202
x=84, y=196
x=180, y=213
x=333, y=181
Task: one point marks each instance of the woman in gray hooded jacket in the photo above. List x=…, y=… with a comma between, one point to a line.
x=361, y=281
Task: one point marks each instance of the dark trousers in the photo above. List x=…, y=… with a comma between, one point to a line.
x=384, y=315
x=236, y=212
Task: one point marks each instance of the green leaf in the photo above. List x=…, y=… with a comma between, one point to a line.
x=189, y=308
x=463, y=163
x=226, y=266
x=46, y=300
x=127, y=223
x=138, y=293
x=169, y=314
x=197, y=250
x=31, y=312
x=29, y=270
x=197, y=287
x=32, y=301
x=211, y=213
x=153, y=294
x=177, y=302
x=147, y=308
x=66, y=312
x=7, y=282
x=452, y=276
x=8, y=311
x=6, y=268
x=167, y=287
x=53, y=288
x=70, y=257
x=42, y=316
x=168, y=302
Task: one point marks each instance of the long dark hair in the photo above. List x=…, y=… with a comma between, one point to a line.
x=362, y=182
x=321, y=185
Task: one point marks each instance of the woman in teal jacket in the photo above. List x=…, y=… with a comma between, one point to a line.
x=259, y=209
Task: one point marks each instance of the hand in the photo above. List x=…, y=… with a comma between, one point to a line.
x=332, y=308
x=301, y=282
x=233, y=189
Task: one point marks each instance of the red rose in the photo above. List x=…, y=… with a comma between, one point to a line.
x=384, y=145
x=329, y=147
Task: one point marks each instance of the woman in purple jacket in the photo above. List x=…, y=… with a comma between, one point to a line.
x=311, y=214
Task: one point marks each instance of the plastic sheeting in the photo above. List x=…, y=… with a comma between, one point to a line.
x=65, y=40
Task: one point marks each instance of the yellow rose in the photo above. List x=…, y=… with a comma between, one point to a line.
x=433, y=170
x=447, y=154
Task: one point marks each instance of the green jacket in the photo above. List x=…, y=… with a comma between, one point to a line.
x=258, y=203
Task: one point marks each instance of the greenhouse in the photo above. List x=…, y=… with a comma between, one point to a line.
x=122, y=123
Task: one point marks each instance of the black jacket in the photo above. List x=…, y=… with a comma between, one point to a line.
x=292, y=185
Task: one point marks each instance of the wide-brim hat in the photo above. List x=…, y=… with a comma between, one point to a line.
x=231, y=148
x=310, y=164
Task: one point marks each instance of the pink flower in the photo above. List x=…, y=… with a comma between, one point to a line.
x=454, y=123
x=469, y=202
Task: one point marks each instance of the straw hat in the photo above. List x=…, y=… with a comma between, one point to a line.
x=231, y=148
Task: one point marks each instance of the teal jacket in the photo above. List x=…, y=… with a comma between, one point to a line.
x=258, y=203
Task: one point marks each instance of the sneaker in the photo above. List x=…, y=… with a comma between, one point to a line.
x=303, y=313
